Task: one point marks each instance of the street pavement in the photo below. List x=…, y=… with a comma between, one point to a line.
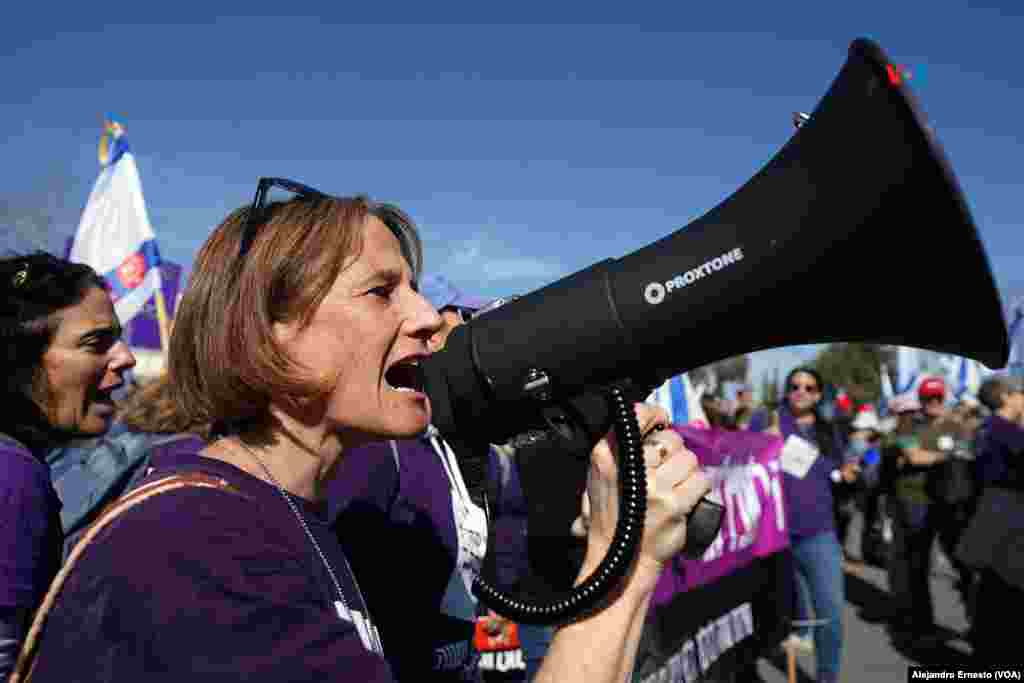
x=868, y=652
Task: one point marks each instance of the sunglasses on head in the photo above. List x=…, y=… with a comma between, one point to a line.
x=254, y=217
x=809, y=388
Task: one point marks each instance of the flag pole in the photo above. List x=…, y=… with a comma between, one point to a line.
x=162, y=319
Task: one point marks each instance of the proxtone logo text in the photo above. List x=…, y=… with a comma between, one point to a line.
x=656, y=292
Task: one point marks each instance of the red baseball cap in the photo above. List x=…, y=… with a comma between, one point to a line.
x=932, y=387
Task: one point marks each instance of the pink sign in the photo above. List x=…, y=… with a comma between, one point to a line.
x=746, y=474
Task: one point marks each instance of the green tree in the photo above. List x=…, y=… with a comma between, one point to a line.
x=770, y=390
x=854, y=367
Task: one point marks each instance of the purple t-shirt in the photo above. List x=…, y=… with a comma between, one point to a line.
x=1000, y=446
x=199, y=584
x=30, y=530
x=809, y=499
x=509, y=529
x=394, y=518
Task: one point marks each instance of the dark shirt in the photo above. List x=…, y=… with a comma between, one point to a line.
x=394, y=517
x=508, y=548
x=552, y=477
x=199, y=584
x=809, y=509
x=1000, y=448
x=911, y=482
x=30, y=530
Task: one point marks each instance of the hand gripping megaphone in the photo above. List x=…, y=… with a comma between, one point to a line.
x=862, y=183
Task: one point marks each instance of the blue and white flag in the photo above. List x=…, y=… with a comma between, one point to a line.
x=908, y=369
x=114, y=235
x=968, y=379
x=682, y=402
x=888, y=393
x=1015, y=366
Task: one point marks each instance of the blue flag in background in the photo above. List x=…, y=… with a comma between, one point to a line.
x=908, y=369
x=970, y=374
x=1015, y=366
x=680, y=400
x=114, y=235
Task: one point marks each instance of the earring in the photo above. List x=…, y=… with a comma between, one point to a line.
x=21, y=277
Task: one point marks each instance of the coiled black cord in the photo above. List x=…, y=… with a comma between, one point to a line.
x=628, y=530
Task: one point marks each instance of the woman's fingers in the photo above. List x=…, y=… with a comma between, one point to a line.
x=691, y=483
x=678, y=470
x=658, y=444
x=675, y=485
x=581, y=524
x=675, y=468
x=650, y=417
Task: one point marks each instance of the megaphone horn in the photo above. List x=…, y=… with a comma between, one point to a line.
x=842, y=236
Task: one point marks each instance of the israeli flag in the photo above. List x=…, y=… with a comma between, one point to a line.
x=115, y=236
x=680, y=400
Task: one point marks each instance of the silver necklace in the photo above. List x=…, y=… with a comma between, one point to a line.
x=340, y=605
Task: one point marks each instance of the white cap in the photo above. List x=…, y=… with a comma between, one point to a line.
x=866, y=420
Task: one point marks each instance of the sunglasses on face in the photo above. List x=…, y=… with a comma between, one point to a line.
x=930, y=399
x=807, y=388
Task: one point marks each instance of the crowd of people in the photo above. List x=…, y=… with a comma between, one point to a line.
x=934, y=478
x=279, y=506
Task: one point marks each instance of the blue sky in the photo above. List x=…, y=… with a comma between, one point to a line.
x=528, y=140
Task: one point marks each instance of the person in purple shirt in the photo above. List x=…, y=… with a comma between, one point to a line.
x=1000, y=440
x=395, y=505
x=63, y=358
x=811, y=463
x=299, y=339
x=999, y=450
x=413, y=492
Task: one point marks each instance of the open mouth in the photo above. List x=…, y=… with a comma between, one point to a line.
x=405, y=375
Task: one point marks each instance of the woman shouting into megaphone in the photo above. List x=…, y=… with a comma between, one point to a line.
x=299, y=338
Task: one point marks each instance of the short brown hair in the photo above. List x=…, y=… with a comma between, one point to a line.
x=224, y=362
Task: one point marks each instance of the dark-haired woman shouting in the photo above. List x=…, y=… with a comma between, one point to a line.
x=62, y=358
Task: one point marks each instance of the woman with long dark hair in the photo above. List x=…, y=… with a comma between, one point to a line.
x=811, y=463
x=62, y=359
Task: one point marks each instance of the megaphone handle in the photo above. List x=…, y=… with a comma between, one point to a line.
x=625, y=542
x=702, y=527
